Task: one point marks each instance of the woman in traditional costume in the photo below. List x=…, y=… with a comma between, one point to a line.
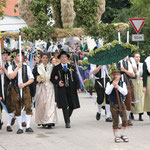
x=138, y=85
x=146, y=85
x=45, y=106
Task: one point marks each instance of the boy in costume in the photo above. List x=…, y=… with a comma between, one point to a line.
x=116, y=91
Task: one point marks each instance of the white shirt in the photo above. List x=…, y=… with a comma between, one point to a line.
x=132, y=60
x=123, y=90
x=2, y=82
x=29, y=73
x=64, y=65
x=130, y=69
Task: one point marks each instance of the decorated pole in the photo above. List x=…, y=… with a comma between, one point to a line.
x=20, y=55
x=0, y=54
x=2, y=75
x=128, y=36
x=119, y=38
x=32, y=56
x=118, y=99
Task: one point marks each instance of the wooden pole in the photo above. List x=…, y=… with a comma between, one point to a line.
x=2, y=43
x=20, y=55
x=118, y=98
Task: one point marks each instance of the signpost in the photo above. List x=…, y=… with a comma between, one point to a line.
x=137, y=23
x=137, y=37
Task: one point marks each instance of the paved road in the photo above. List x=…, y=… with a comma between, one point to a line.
x=86, y=133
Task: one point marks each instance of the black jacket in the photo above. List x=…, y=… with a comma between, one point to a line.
x=74, y=84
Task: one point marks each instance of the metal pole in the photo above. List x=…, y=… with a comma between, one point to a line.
x=138, y=44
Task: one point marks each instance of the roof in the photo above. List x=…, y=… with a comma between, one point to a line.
x=9, y=9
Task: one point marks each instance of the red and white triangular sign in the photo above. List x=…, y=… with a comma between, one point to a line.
x=137, y=23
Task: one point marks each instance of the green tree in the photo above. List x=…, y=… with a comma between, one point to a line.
x=2, y=4
x=114, y=8
x=140, y=9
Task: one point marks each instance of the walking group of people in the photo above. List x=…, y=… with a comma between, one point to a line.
x=56, y=84
x=126, y=94
x=47, y=86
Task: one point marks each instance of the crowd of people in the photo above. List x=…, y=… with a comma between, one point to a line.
x=54, y=81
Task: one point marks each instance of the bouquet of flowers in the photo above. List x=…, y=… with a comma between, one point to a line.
x=41, y=79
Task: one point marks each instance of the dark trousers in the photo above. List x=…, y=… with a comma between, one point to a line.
x=67, y=112
x=100, y=91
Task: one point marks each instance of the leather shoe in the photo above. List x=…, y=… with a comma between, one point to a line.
x=109, y=119
x=98, y=116
x=20, y=131
x=141, y=119
x=68, y=125
x=50, y=125
x=29, y=130
x=9, y=129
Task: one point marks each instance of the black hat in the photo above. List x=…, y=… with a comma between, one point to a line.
x=7, y=51
x=63, y=53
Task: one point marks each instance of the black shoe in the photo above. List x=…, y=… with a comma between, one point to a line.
x=44, y=125
x=29, y=130
x=140, y=119
x=1, y=124
x=9, y=129
x=109, y=119
x=20, y=131
x=53, y=124
x=68, y=125
x=98, y=116
x=50, y=125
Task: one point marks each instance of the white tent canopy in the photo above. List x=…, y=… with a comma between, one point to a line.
x=9, y=23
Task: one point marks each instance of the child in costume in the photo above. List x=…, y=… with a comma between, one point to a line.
x=116, y=91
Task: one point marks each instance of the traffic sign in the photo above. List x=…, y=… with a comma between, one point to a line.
x=137, y=37
x=137, y=23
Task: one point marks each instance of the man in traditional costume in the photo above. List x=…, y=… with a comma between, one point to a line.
x=4, y=80
x=137, y=81
x=146, y=84
x=101, y=79
x=126, y=67
x=19, y=92
x=65, y=77
x=116, y=91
